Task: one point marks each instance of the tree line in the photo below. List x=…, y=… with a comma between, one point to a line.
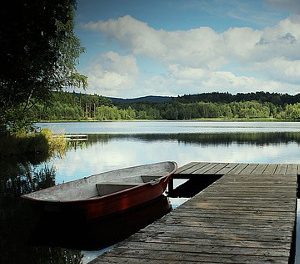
x=263, y=97
x=77, y=106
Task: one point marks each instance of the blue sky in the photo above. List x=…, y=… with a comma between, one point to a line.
x=175, y=47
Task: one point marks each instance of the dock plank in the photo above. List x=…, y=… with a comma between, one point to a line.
x=246, y=216
x=249, y=169
x=292, y=169
x=185, y=167
x=281, y=169
x=237, y=169
x=195, y=168
x=228, y=168
x=216, y=169
x=260, y=169
x=270, y=169
x=205, y=168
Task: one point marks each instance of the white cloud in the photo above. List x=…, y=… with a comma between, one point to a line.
x=133, y=34
x=201, y=46
x=240, y=43
x=198, y=59
x=205, y=81
x=282, y=40
x=281, y=69
x=112, y=72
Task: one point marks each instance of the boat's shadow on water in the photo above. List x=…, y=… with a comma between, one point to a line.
x=68, y=232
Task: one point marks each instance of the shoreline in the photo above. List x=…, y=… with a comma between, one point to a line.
x=168, y=120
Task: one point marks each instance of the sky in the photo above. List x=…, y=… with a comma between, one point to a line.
x=137, y=48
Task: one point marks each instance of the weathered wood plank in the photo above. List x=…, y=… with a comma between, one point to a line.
x=196, y=167
x=227, y=169
x=248, y=170
x=228, y=234
x=259, y=169
x=281, y=169
x=240, y=204
x=257, y=177
x=238, y=222
x=271, y=168
x=203, y=249
x=185, y=167
x=182, y=239
x=205, y=168
x=177, y=257
x=166, y=255
x=216, y=168
x=292, y=169
x=237, y=169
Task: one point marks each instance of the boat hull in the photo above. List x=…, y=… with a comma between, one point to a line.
x=98, y=208
x=102, y=206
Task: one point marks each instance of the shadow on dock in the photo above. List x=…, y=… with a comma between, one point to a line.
x=192, y=186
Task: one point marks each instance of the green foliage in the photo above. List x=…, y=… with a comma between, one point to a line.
x=74, y=106
x=45, y=144
x=291, y=112
x=262, y=97
x=57, y=144
x=39, y=51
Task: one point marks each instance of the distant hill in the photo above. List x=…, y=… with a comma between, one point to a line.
x=215, y=97
x=144, y=99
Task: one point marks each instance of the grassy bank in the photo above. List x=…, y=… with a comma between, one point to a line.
x=42, y=143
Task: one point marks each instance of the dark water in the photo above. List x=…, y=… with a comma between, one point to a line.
x=28, y=237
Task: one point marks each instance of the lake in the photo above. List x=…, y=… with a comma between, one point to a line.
x=114, y=145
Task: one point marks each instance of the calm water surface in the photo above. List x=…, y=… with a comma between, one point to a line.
x=114, y=145
x=138, y=127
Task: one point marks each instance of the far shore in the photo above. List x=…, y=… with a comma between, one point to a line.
x=181, y=120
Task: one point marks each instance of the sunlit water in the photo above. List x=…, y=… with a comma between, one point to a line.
x=114, y=145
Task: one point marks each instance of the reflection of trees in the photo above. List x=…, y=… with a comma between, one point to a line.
x=255, y=138
x=27, y=180
x=19, y=175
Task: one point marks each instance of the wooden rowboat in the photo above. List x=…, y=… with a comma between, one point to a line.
x=106, y=193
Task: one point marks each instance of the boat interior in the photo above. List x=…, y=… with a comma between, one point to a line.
x=75, y=191
x=106, y=188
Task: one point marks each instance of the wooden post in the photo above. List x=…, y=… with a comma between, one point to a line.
x=170, y=186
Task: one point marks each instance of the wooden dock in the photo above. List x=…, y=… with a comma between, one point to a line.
x=246, y=216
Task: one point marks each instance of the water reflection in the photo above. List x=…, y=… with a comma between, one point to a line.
x=104, y=152
x=18, y=220
x=76, y=234
x=28, y=237
x=201, y=139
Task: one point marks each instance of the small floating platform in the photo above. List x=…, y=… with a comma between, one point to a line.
x=73, y=137
x=76, y=137
x=246, y=216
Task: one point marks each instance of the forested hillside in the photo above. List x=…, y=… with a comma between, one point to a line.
x=77, y=106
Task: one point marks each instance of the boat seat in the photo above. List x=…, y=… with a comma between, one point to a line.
x=106, y=188
x=149, y=178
